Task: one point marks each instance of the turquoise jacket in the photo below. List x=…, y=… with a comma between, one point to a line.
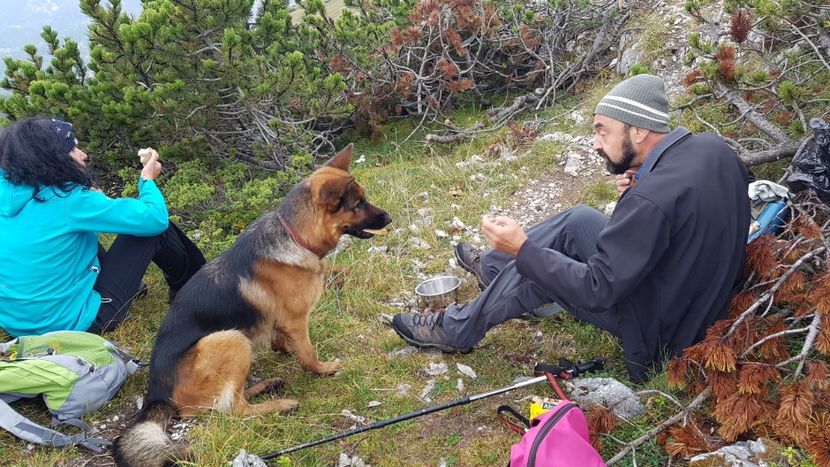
x=49, y=251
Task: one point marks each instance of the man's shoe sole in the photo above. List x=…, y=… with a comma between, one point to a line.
x=423, y=345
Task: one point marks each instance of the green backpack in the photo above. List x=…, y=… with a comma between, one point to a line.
x=76, y=372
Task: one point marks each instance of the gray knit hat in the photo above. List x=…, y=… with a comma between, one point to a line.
x=639, y=101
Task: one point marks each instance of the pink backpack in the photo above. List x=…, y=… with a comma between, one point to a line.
x=558, y=438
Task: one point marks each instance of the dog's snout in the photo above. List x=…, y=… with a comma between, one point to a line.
x=386, y=219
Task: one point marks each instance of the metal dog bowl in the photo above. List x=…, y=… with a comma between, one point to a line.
x=438, y=292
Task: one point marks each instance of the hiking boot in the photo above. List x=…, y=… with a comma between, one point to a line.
x=469, y=259
x=425, y=331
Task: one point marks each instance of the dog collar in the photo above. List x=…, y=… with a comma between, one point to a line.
x=299, y=240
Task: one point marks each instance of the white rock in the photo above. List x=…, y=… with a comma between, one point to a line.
x=573, y=164
x=378, y=250
x=403, y=389
x=742, y=454
x=455, y=206
x=435, y=369
x=453, y=263
x=466, y=371
x=459, y=385
x=607, y=392
x=361, y=159
x=401, y=352
x=139, y=402
x=353, y=417
x=461, y=164
x=442, y=462
x=419, y=243
x=424, y=212
x=414, y=228
x=243, y=459
x=424, y=195
x=373, y=404
x=456, y=224
x=427, y=389
x=115, y=418
x=385, y=318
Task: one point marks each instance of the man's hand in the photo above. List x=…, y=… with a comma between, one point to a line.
x=625, y=180
x=503, y=234
x=152, y=168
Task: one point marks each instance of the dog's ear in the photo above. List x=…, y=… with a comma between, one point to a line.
x=335, y=192
x=342, y=159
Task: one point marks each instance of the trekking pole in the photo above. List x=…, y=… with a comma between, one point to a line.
x=565, y=372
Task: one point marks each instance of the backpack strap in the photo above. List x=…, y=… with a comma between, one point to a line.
x=26, y=429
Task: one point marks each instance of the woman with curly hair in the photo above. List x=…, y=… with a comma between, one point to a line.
x=53, y=273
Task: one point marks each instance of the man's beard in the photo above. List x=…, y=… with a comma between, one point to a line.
x=618, y=168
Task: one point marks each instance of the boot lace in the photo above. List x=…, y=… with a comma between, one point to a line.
x=431, y=320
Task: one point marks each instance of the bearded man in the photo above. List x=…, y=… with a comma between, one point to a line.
x=655, y=274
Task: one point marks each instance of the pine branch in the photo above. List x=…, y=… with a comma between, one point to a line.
x=809, y=341
x=697, y=402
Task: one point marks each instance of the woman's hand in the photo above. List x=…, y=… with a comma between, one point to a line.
x=503, y=234
x=152, y=168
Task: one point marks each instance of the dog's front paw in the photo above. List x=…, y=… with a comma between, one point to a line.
x=328, y=368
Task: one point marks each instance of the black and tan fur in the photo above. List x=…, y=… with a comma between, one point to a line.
x=258, y=293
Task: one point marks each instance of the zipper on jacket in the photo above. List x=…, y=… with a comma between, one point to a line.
x=544, y=432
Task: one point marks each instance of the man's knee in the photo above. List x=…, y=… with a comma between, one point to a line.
x=582, y=214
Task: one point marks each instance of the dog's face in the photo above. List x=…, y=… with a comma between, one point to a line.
x=344, y=200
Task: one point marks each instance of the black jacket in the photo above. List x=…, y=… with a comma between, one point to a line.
x=669, y=257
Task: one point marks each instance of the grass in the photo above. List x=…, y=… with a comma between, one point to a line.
x=344, y=325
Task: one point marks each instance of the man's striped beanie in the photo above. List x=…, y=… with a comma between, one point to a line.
x=640, y=101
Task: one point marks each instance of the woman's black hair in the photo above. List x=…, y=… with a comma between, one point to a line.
x=31, y=153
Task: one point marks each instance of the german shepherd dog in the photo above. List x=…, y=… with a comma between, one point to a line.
x=259, y=292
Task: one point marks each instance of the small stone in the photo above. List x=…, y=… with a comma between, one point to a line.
x=419, y=243
x=424, y=212
x=243, y=459
x=453, y=263
x=442, y=462
x=435, y=369
x=115, y=418
x=414, y=228
x=378, y=250
x=455, y=206
x=427, y=389
x=373, y=404
x=459, y=385
x=139, y=402
x=424, y=195
x=402, y=352
x=441, y=234
x=466, y=371
x=476, y=159
x=353, y=417
x=361, y=159
x=103, y=426
x=384, y=318
x=403, y=389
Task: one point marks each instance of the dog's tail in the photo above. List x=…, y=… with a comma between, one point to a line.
x=145, y=442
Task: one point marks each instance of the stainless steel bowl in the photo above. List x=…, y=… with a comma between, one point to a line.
x=438, y=292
